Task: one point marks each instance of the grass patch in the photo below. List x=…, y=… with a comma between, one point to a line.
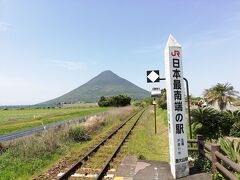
x=13, y=167
x=144, y=143
x=78, y=134
x=20, y=119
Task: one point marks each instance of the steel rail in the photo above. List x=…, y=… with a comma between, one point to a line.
x=76, y=166
x=107, y=164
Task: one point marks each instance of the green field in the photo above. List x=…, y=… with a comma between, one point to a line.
x=19, y=119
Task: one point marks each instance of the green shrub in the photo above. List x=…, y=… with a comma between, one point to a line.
x=213, y=124
x=218, y=176
x=143, y=103
x=2, y=148
x=162, y=102
x=162, y=105
x=78, y=134
x=116, y=101
x=141, y=157
x=235, y=130
x=202, y=164
x=234, y=115
x=226, y=121
x=206, y=122
x=103, y=102
x=139, y=104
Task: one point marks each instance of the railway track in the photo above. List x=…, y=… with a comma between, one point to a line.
x=96, y=162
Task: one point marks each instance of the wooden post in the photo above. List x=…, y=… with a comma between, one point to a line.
x=214, y=148
x=200, y=140
x=155, y=115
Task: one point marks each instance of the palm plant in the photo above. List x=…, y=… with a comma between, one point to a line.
x=231, y=149
x=206, y=121
x=221, y=93
x=234, y=115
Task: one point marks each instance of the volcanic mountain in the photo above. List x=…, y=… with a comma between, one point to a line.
x=105, y=84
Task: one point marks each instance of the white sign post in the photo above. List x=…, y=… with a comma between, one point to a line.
x=176, y=109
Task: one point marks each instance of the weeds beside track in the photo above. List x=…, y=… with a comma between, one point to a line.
x=97, y=161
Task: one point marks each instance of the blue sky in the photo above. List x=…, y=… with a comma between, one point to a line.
x=47, y=48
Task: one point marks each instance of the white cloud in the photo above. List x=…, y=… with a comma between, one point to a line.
x=69, y=65
x=5, y=26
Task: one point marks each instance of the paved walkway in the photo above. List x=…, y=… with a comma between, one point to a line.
x=133, y=169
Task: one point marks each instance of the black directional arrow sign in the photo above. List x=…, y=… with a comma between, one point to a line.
x=153, y=76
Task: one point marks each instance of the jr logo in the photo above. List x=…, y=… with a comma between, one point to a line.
x=175, y=53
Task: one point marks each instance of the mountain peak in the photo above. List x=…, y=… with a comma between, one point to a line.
x=106, y=83
x=106, y=77
x=107, y=72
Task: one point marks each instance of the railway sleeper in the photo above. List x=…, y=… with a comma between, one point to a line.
x=109, y=175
